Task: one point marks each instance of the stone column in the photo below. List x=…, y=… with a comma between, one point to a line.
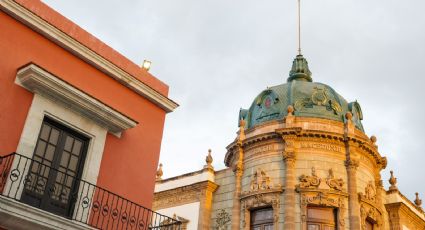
x=289, y=195
x=351, y=164
x=205, y=201
x=353, y=200
x=236, y=210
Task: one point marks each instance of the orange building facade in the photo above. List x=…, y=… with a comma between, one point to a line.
x=81, y=126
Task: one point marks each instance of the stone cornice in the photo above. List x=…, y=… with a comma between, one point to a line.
x=401, y=207
x=38, y=80
x=67, y=42
x=182, y=195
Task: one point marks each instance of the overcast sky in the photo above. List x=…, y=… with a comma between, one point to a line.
x=218, y=55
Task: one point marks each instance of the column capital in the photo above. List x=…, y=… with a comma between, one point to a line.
x=352, y=164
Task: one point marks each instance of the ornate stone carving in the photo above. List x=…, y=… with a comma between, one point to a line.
x=352, y=164
x=370, y=193
x=370, y=212
x=312, y=181
x=258, y=200
x=260, y=181
x=222, y=219
x=334, y=183
x=326, y=200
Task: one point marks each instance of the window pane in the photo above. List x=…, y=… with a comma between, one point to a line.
x=54, y=136
x=64, y=159
x=68, y=143
x=73, y=163
x=313, y=227
x=77, y=147
x=45, y=130
x=49, y=153
x=41, y=146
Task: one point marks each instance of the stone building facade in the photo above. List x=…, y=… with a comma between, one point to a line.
x=301, y=160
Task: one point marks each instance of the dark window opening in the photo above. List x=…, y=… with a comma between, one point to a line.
x=262, y=219
x=51, y=183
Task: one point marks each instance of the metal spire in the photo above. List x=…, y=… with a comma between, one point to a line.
x=299, y=27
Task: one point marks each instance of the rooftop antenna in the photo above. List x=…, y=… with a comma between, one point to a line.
x=299, y=27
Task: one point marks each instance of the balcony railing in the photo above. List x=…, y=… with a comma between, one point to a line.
x=37, y=184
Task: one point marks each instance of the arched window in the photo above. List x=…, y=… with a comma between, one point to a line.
x=319, y=218
x=262, y=219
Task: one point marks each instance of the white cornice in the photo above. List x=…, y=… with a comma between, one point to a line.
x=64, y=40
x=38, y=80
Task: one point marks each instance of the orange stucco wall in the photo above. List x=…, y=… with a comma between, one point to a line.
x=129, y=163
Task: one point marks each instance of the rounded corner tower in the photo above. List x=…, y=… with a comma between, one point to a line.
x=300, y=151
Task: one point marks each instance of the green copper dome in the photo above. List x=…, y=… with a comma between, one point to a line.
x=309, y=99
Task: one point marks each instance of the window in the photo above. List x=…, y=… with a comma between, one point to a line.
x=262, y=219
x=321, y=218
x=56, y=166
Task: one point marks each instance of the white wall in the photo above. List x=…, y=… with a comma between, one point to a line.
x=187, y=211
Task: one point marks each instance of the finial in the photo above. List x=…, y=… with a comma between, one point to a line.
x=209, y=160
x=393, y=182
x=373, y=139
x=299, y=27
x=290, y=109
x=300, y=70
x=349, y=116
x=418, y=202
x=159, y=173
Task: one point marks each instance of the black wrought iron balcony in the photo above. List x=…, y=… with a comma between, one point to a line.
x=57, y=191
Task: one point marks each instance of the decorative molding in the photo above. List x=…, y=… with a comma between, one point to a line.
x=260, y=200
x=83, y=52
x=323, y=199
x=182, y=195
x=369, y=194
x=312, y=181
x=222, y=220
x=38, y=80
x=371, y=213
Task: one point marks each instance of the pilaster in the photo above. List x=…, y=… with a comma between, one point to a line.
x=289, y=195
x=205, y=202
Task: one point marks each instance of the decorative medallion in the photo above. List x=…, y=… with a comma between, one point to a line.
x=319, y=97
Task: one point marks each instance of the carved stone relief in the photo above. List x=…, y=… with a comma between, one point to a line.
x=371, y=213
x=222, y=220
x=369, y=194
x=312, y=181
x=261, y=182
x=333, y=182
